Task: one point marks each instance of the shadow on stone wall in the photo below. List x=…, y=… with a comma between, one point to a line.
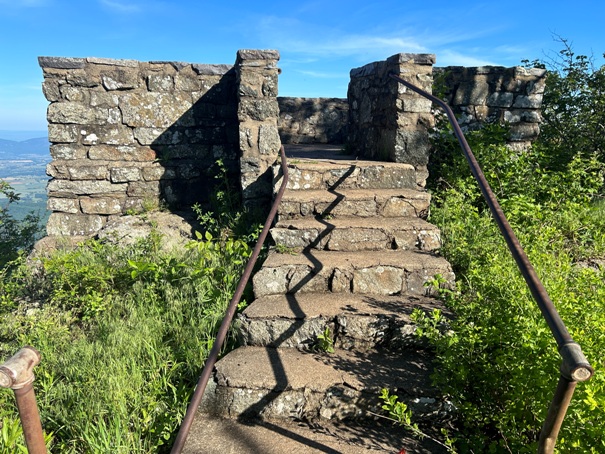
x=189, y=149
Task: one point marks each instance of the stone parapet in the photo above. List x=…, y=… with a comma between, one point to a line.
x=313, y=120
x=128, y=135
x=495, y=94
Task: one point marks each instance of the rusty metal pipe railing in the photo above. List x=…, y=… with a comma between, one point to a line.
x=179, y=443
x=575, y=367
x=17, y=373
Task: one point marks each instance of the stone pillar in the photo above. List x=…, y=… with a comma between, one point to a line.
x=386, y=121
x=258, y=115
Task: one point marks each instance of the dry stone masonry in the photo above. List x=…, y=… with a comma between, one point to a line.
x=494, y=94
x=313, y=120
x=127, y=135
x=257, y=113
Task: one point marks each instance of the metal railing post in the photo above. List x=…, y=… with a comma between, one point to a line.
x=17, y=373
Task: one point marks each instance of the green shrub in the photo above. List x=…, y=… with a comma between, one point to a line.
x=123, y=333
x=499, y=362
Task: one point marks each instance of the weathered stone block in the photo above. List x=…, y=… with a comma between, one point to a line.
x=120, y=79
x=121, y=153
x=85, y=171
x=64, y=224
x=108, y=135
x=144, y=189
x=72, y=151
x=500, y=99
x=158, y=172
x=101, y=205
x=155, y=109
x=258, y=109
x=58, y=133
x=380, y=280
x=63, y=205
x=528, y=102
x=84, y=187
x=160, y=82
x=125, y=174
x=268, y=140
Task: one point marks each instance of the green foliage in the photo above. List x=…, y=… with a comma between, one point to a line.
x=497, y=359
x=123, y=332
x=573, y=105
x=325, y=342
x=15, y=235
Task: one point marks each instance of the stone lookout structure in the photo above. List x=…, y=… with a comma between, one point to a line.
x=331, y=324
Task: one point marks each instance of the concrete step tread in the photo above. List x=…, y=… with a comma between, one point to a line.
x=286, y=383
x=280, y=369
x=215, y=435
x=354, y=202
x=329, y=164
x=385, y=272
x=343, y=222
x=313, y=305
x=350, y=233
x=317, y=260
x=322, y=195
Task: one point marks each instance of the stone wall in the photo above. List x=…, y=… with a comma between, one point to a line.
x=387, y=122
x=492, y=94
x=313, y=120
x=257, y=113
x=128, y=136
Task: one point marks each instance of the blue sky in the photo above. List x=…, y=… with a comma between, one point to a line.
x=319, y=41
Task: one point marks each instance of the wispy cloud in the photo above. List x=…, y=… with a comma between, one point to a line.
x=23, y=3
x=323, y=75
x=121, y=7
x=449, y=57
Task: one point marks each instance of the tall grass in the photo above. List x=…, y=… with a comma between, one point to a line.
x=123, y=333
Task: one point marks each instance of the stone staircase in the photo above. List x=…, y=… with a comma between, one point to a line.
x=351, y=258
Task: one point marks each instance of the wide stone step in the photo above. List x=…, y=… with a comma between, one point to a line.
x=355, y=322
x=391, y=272
x=287, y=383
x=330, y=174
x=356, y=234
x=215, y=435
x=354, y=202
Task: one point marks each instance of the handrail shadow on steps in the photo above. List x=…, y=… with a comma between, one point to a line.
x=574, y=367
x=179, y=443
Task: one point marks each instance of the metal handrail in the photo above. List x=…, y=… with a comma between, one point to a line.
x=179, y=443
x=574, y=367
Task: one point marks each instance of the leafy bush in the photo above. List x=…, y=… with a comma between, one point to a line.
x=123, y=332
x=499, y=362
x=15, y=235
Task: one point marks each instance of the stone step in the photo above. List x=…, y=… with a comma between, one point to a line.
x=276, y=383
x=215, y=435
x=355, y=234
x=307, y=174
x=354, y=202
x=393, y=272
x=355, y=322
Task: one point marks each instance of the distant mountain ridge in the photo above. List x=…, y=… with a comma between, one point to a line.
x=14, y=149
